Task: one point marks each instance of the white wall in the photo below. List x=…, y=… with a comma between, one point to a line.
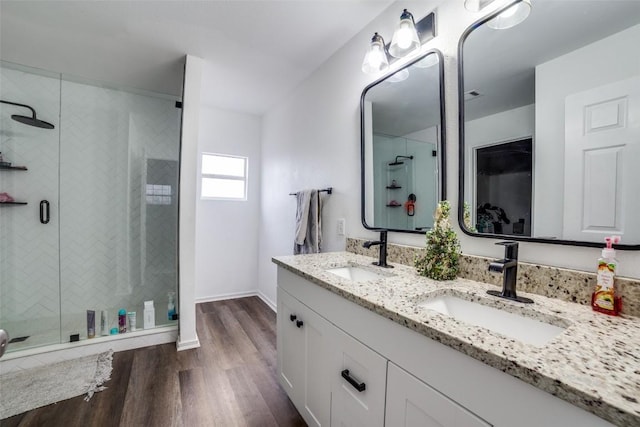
x=227, y=231
x=555, y=80
x=312, y=139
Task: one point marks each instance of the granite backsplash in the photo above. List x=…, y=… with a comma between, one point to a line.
x=561, y=283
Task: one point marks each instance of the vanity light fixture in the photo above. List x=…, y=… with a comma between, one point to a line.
x=405, y=38
x=403, y=43
x=375, y=61
x=476, y=5
x=511, y=16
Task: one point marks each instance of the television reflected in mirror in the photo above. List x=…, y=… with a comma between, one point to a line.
x=402, y=140
x=550, y=124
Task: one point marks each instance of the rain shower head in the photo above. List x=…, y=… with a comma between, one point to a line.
x=31, y=121
x=396, y=162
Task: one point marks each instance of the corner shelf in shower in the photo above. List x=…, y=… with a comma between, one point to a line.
x=2, y=204
x=394, y=187
x=13, y=168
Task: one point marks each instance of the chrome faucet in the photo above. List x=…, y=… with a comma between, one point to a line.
x=382, y=258
x=509, y=269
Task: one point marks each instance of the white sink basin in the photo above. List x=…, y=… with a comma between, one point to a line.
x=525, y=329
x=357, y=274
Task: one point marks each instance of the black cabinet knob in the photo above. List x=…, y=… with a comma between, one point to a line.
x=299, y=323
x=293, y=317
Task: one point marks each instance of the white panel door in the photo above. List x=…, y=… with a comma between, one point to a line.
x=602, y=154
x=412, y=403
x=358, y=384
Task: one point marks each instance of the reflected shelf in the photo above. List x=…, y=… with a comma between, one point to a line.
x=13, y=168
x=2, y=204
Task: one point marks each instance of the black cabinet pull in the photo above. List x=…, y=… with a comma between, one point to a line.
x=299, y=323
x=358, y=386
x=44, y=212
x=293, y=317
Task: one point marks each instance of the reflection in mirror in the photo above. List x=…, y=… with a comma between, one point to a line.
x=550, y=135
x=402, y=139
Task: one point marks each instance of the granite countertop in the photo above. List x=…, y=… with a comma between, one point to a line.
x=594, y=363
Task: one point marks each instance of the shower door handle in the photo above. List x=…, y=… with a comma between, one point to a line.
x=45, y=214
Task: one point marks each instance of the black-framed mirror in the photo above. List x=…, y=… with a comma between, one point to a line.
x=402, y=146
x=550, y=124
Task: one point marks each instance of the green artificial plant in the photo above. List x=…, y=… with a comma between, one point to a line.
x=441, y=258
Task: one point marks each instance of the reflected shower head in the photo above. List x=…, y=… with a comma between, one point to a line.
x=396, y=162
x=31, y=121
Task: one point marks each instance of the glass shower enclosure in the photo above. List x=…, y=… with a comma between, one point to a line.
x=88, y=206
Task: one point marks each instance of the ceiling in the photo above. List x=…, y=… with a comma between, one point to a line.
x=255, y=52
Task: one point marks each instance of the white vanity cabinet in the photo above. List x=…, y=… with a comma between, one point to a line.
x=410, y=380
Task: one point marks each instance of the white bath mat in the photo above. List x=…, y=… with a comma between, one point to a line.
x=32, y=388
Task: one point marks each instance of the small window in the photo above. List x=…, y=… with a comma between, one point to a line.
x=224, y=177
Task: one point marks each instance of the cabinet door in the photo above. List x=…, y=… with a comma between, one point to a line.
x=358, y=381
x=412, y=403
x=290, y=339
x=303, y=358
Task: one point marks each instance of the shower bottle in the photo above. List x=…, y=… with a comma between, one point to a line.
x=122, y=321
x=171, y=306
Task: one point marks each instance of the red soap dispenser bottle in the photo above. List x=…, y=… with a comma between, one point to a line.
x=604, y=298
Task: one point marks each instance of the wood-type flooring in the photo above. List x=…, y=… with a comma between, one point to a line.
x=230, y=380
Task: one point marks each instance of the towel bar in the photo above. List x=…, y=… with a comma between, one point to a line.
x=328, y=190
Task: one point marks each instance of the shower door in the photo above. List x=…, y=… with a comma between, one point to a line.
x=29, y=262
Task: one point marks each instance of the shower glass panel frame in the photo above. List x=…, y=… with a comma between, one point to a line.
x=109, y=171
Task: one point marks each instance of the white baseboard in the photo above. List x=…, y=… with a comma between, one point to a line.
x=222, y=297
x=187, y=345
x=235, y=295
x=267, y=301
